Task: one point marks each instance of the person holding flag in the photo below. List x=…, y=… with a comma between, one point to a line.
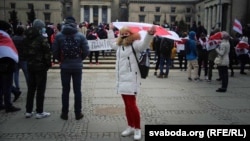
x=213, y=42
x=242, y=50
x=8, y=59
x=128, y=77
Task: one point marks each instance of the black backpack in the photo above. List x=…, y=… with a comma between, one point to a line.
x=70, y=48
x=143, y=63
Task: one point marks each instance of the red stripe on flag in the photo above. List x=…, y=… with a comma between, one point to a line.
x=236, y=24
x=7, y=41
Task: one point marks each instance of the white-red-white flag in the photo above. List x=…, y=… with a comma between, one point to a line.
x=237, y=26
x=7, y=47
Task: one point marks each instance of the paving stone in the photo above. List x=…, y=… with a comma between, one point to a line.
x=173, y=100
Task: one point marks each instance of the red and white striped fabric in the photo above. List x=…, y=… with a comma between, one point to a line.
x=7, y=47
x=242, y=45
x=136, y=27
x=214, y=41
x=237, y=26
x=180, y=45
x=242, y=48
x=216, y=36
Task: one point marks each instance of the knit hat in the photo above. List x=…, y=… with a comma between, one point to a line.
x=70, y=20
x=38, y=24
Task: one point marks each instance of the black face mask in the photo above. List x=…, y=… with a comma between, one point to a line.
x=123, y=37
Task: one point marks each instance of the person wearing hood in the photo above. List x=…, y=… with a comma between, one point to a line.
x=71, y=47
x=192, y=56
x=38, y=54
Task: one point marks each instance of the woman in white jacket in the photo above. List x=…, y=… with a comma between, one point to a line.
x=128, y=78
x=223, y=54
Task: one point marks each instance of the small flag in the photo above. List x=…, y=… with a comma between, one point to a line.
x=237, y=26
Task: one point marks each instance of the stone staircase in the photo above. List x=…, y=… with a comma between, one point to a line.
x=108, y=62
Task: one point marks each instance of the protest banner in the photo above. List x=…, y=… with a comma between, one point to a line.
x=101, y=44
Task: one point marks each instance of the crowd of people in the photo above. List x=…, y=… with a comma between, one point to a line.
x=37, y=48
x=200, y=51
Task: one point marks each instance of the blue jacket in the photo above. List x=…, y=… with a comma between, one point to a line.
x=68, y=63
x=190, y=46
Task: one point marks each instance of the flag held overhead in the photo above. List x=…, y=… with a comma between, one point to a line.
x=136, y=27
x=237, y=26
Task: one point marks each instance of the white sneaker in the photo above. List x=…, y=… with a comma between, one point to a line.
x=128, y=131
x=29, y=115
x=42, y=115
x=137, y=134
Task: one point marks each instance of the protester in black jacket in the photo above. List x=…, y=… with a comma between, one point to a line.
x=8, y=59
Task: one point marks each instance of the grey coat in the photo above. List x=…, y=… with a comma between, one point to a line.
x=223, y=53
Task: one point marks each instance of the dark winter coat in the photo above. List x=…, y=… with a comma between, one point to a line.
x=37, y=50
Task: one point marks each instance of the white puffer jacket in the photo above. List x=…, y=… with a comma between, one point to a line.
x=128, y=78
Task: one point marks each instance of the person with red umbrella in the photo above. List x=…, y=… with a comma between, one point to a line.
x=213, y=42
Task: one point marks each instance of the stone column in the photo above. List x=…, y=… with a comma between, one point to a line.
x=209, y=19
x=91, y=14
x=229, y=18
x=214, y=16
x=205, y=19
x=109, y=15
x=82, y=14
x=99, y=14
x=75, y=10
x=218, y=16
x=219, y=9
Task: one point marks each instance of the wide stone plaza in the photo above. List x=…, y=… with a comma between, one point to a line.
x=168, y=101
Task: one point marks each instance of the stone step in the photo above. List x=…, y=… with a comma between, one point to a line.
x=108, y=62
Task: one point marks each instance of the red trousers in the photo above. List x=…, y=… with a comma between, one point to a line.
x=132, y=111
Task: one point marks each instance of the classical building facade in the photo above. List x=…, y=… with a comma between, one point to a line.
x=92, y=11
x=221, y=13
x=47, y=10
x=162, y=11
